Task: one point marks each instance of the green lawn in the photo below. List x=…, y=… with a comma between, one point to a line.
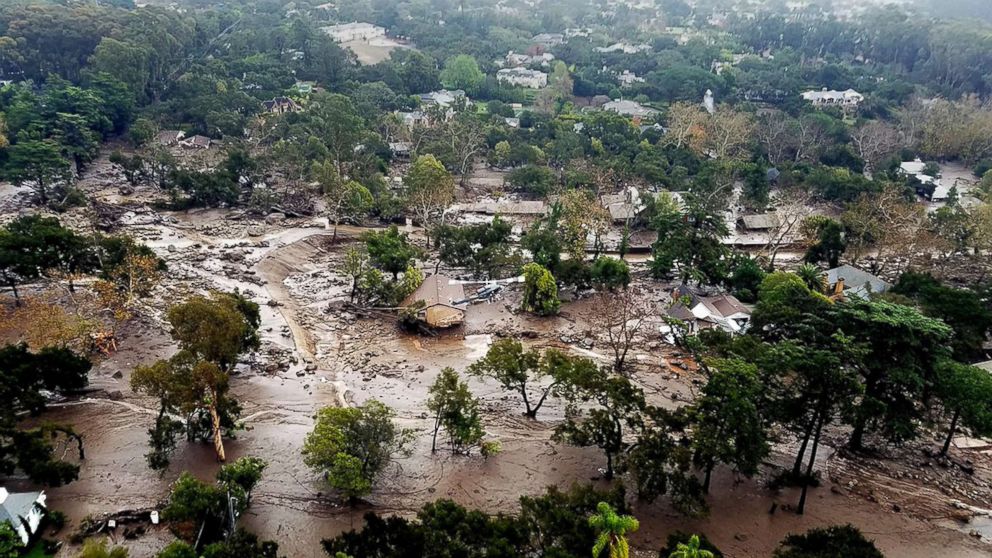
x=37, y=551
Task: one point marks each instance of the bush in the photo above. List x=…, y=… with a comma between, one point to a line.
x=540, y=291
x=681, y=537
x=842, y=541
x=610, y=273
x=532, y=179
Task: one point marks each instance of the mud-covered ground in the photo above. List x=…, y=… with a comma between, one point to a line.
x=317, y=351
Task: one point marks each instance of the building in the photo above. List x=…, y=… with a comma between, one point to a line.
x=548, y=40
x=628, y=78
x=437, y=302
x=516, y=59
x=196, y=142
x=411, y=119
x=708, y=102
x=760, y=222
x=929, y=186
x=625, y=48
x=23, y=510
x=522, y=77
x=401, y=149
x=443, y=98
x=722, y=311
x=169, y=137
x=831, y=98
x=281, y=105
x=847, y=281
x=623, y=206
x=355, y=31
x=630, y=108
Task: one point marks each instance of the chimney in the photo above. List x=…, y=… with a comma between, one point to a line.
x=839, y=287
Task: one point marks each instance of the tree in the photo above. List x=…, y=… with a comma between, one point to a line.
x=356, y=264
x=618, y=404
x=24, y=378
x=212, y=333
x=100, y=548
x=966, y=392
x=691, y=549
x=515, y=369
x=680, y=540
x=729, y=425
x=430, y=190
x=886, y=223
x=353, y=446
x=690, y=241
x=243, y=474
x=462, y=72
x=620, y=314
x=336, y=121
x=826, y=240
x=728, y=133
x=389, y=250
x=39, y=164
x=343, y=198
x=204, y=505
x=874, y=142
x=791, y=208
x=10, y=541
x=844, y=541
x=612, y=530
x=540, y=291
x=686, y=127
x=455, y=410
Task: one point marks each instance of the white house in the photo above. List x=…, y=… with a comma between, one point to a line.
x=23, y=510
x=625, y=48
x=355, y=31
x=628, y=78
x=630, y=108
x=916, y=168
x=825, y=98
x=722, y=311
x=515, y=59
x=442, y=98
x=522, y=77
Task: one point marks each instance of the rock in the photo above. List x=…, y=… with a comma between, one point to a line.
x=255, y=230
x=300, y=373
x=171, y=248
x=115, y=395
x=274, y=218
x=118, y=375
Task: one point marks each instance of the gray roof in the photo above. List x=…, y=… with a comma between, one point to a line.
x=16, y=505
x=987, y=365
x=761, y=221
x=857, y=282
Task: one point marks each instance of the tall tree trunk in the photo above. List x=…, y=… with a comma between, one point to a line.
x=17, y=297
x=797, y=466
x=215, y=421
x=609, y=466
x=809, y=470
x=437, y=426
x=706, y=478
x=950, y=432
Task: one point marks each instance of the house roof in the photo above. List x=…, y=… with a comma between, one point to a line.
x=505, y=208
x=856, y=282
x=437, y=289
x=761, y=221
x=987, y=365
x=16, y=505
x=680, y=311
x=724, y=305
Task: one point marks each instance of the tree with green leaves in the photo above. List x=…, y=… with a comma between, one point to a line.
x=40, y=165
x=612, y=530
x=10, y=542
x=337, y=123
x=462, y=72
x=691, y=549
x=390, y=250
x=25, y=376
x=682, y=541
x=617, y=406
x=244, y=474
x=826, y=240
x=540, y=291
x=966, y=394
x=729, y=424
x=517, y=370
x=456, y=411
x=430, y=190
x=844, y=541
x=342, y=198
x=351, y=447
x=356, y=264
x=610, y=273
x=212, y=334
x=690, y=242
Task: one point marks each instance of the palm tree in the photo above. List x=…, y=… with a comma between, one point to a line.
x=612, y=529
x=691, y=550
x=812, y=276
